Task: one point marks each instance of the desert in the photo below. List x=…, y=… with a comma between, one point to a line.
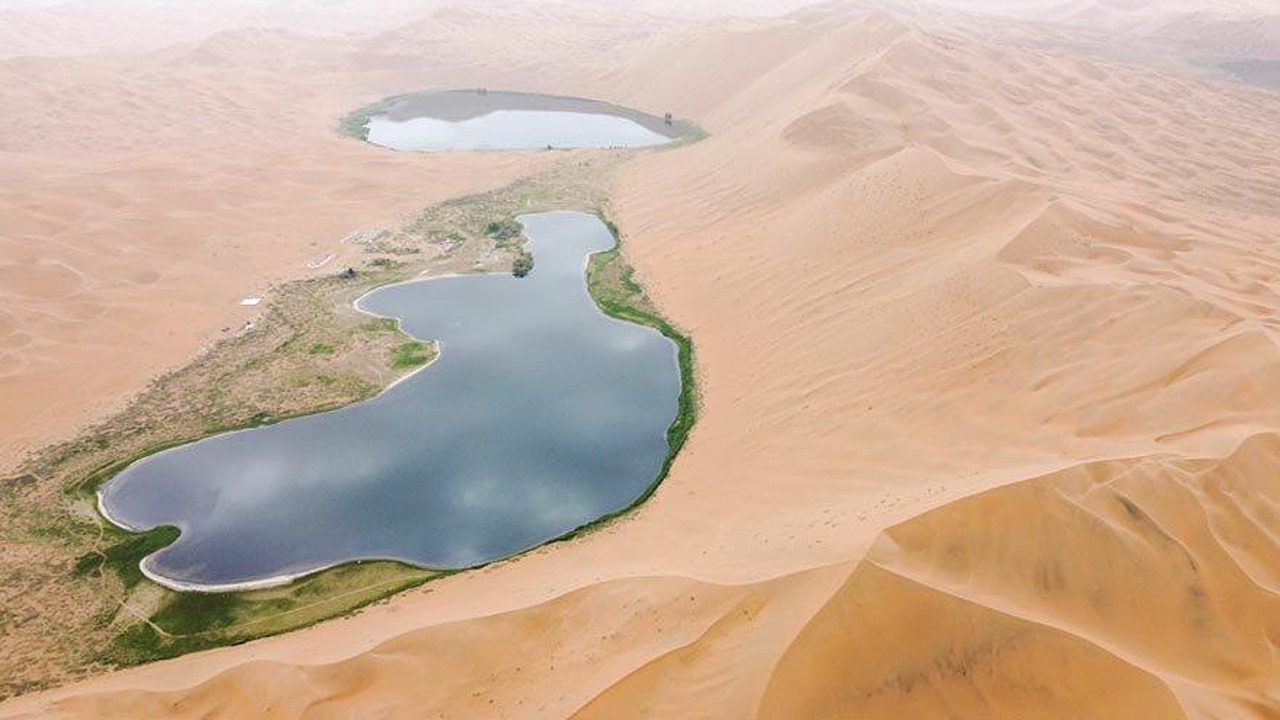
x=982, y=301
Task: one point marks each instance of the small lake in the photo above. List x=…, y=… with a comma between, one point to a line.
x=513, y=130
x=453, y=120
x=540, y=415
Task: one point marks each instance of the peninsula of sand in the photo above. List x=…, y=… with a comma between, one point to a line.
x=985, y=310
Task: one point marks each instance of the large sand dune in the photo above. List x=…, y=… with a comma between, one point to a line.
x=987, y=345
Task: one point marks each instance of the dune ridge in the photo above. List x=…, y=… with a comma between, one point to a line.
x=987, y=343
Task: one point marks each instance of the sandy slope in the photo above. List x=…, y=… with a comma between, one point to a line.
x=117, y=265
x=148, y=194
x=987, y=342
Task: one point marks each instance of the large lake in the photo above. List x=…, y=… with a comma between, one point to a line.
x=540, y=415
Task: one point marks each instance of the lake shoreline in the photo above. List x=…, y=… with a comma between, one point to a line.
x=58, y=511
x=463, y=105
x=675, y=433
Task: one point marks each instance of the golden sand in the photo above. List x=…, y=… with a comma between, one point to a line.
x=986, y=339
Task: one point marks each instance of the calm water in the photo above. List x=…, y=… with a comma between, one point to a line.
x=541, y=414
x=513, y=130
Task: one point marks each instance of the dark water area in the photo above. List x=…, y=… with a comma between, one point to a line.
x=541, y=414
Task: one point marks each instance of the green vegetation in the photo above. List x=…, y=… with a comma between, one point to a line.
x=356, y=123
x=411, y=354
x=188, y=622
x=123, y=557
x=523, y=264
x=381, y=325
x=611, y=282
x=504, y=230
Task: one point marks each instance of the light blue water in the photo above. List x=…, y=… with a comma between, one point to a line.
x=541, y=414
x=513, y=130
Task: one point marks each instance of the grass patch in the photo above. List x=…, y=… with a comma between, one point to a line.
x=411, y=354
x=381, y=325
x=611, y=282
x=504, y=230
x=188, y=622
x=123, y=557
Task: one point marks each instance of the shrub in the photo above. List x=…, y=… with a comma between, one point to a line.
x=523, y=264
x=503, y=230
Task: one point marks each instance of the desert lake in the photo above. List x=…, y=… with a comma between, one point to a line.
x=483, y=120
x=540, y=414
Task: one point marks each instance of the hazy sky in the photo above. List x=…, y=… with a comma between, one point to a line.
x=681, y=6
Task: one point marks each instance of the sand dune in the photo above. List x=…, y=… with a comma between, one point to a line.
x=81, y=27
x=987, y=344
x=150, y=193
x=1231, y=39
x=1256, y=36
x=1125, y=583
